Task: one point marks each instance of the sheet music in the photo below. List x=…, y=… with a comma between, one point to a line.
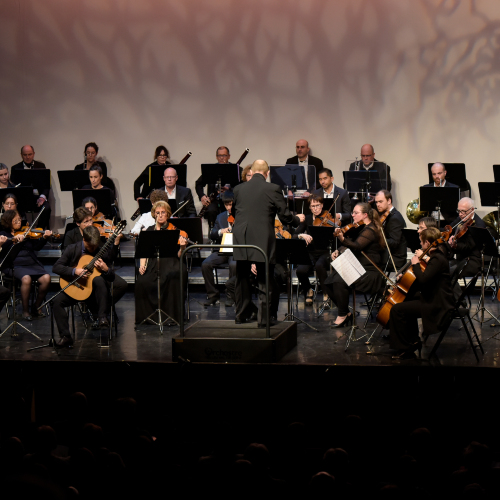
x=227, y=239
x=349, y=268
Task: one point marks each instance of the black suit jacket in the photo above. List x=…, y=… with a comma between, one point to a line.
x=466, y=246
x=256, y=204
x=181, y=195
x=69, y=260
x=343, y=203
x=378, y=167
x=141, y=184
x=36, y=165
x=311, y=160
x=220, y=223
x=393, y=230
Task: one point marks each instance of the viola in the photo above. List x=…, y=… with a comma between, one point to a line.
x=171, y=227
x=280, y=232
x=326, y=219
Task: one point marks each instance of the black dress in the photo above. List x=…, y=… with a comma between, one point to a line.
x=146, y=294
x=26, y=261
x=432, y=301
x=368, y=242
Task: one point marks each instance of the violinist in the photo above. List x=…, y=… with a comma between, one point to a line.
x=221, y=227
x=146, y=298
x=431, y=298
x=26, y=266
x=320, y=258
x=146, y=220
x=4, y=177
x=465, y=247
x=91, y=205
x=10, y=203
x=426, y=223
x=141, y=184
x=330, y=190
x=393, y=225
x=369, y=240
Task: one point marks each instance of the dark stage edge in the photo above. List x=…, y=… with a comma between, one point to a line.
x=224, y=341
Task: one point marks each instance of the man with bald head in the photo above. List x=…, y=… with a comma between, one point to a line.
x=180, y=194
x=256, y=204
x=369, y=163
x=304, y=158
x=42, y=195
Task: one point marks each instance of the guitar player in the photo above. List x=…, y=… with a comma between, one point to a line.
x=67, y=268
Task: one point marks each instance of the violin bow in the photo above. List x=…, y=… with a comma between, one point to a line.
x=379, y=270
x=388, y=249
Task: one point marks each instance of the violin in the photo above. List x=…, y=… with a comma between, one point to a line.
x=384, y=216
x=326, y=219
x=280, y=232
x=354, y=225
x=34, y=234
x=171, y=227
x=462, y=231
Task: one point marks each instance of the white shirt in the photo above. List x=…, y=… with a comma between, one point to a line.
x=329, y=195
x=145, y=220
x=171, y=196
x=305, y=163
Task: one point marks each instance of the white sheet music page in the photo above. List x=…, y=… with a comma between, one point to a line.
x=227, y=239
x=349, y=268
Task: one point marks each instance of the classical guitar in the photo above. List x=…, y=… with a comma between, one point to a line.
x=81, y=288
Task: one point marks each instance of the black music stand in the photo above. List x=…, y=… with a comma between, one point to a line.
x=363, y=182
x=412, y=239
x=293, y=177
x=434, y=199
x=24, y=195
x=103, y=197
x=295, y=253
x=191, y=225
x=145, y=205
x=38, y=179
x=156, y=172
x=455, y=173
x=220, y=174
x=157, y=244
x=69, y=180
x=496, y=173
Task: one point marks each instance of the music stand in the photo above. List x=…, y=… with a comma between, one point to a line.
x=439, y=200
x=24, y=195
x=362, y=181
x=157, y=244
x=412, y=239
x=455, y=173
x=191, y=225
x=156, y=172
x=145, y=205
x=101, y=196
x=220, y=174
x=496, y=173
x=38, y=179
x=293, y=177
x=69, y=180
x=295, y=252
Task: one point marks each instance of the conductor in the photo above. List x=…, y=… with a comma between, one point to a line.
x=256, y=204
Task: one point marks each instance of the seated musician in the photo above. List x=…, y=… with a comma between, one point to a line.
x=426, y=223
x=5, y=177
x=207, y=267
x=466, y=247
x=146, y=296
x=141, y=184
x=90, y=153
x=369, y=162
x=305, y=159
x=393, y=228
x=320, y=258
x=96, y=180
x=330, y=190
x=180, y=194
x=67, y=268
x=246, y=173
x=29, y=162
x=91, y=205
x=82, y=217
x=10, y=203
x=26, y=266
x=432, y=300
x=146, y=220
x=368, y=240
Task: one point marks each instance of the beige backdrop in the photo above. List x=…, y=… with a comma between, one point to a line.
x=418, y=79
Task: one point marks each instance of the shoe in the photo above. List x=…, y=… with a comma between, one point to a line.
x=65, y=341
x=229, y=302
x=27, y=317
x=347, y=321
x=410, y=352
x=309, y=297
x=239, y=320
x=103, y=323
x=37, y=313
x=211, y=302
x=253, y=317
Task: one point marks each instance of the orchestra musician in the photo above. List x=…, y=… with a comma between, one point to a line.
x=426, y=223
x=26, y=266
x=466, y=247
x=29, y=162
x=147, y=220
x=246, y=173
x=369, y=162
x=221, y=227
x=5, y=177
x=10, y=203
x=432, y=299
x=66, y=267
x=320, y=258
x=141, y=184
x=146, y=298
x=393, y=226
x=180, y=194
x=96, y=180
x=304, y=158
x=82, y=217
x=90, y=153
x=371, y=242
x=256, y=204
x=330, y=190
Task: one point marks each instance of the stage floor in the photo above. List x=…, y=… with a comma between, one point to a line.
x=146, y=345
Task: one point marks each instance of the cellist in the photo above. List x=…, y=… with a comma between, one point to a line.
x=431, y=298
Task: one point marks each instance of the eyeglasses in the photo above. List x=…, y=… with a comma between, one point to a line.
x=315, y=206
x=356, y=213
x=463, y=211
x=162, y=156
x=16, y=220
x=161, y=213
x=169, y=176
x=222, y=156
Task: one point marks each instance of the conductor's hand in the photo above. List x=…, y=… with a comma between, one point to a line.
x=3, y=239
x=254, y=269
x=140, y=198
x=306, y=237
x=101, y=266
x=142, y=269
x=301, y=217
x=182, y=241
x=205, y=200
x=40, y=201
x=79, y=271
x=47, y=234
x=335, y=254
x=415, y=260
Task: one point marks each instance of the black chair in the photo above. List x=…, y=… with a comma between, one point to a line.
x=463, y=314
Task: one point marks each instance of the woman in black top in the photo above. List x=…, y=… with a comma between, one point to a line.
x=90, y=152
x=26, y=267
x=431, y=298
x=371, y=242
x=141, y=184
x=4, y=177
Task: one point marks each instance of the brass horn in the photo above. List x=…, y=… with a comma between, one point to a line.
x=491, y=221
x=413, y=212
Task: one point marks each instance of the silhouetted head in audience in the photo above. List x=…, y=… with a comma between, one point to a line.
x=258, y=455
x=322, y=485
x=336, y=462
x=45, y=440
x=477, y=457
x=92, y=437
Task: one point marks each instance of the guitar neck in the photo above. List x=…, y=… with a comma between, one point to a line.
x=101, y=252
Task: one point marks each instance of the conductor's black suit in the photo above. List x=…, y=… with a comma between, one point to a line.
x=256, y=204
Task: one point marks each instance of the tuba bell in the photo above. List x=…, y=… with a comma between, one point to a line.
x=413, y=212
x=491, y=221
